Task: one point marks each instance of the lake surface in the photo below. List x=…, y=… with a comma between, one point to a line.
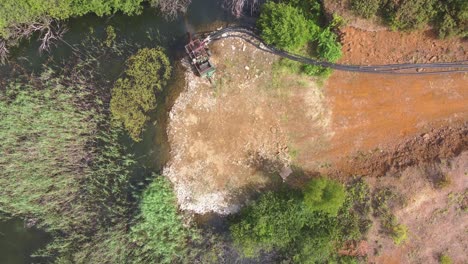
x=149, y=29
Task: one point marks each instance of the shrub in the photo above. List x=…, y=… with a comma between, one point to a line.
x=412, y=14
x=160, y=233
x=365, y=8
x=324, y=195
x=17, y=12
x=283, y=221
x=452, y=18
x=399, y=233
x=133, y=96
x=273, y=221
x=284, y=26
x=445, y=259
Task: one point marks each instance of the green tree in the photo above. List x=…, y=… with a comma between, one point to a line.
x=284, y=26
x=271, y=222
x=324, y=195
x=365, y=8
x=134, y=96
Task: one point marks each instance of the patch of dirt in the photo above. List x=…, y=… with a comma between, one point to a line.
x=230, y=137
x=435, y=214
x=384, y=47
x=436, y=145
x=233, y=136
x=374, y=112
x=341, y=8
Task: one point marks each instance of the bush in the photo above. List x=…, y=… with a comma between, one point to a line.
x=412, y=14
x=303, y=228
x=452, y=19
x=160, y=233
x=133, y=97
x=271, y=222
x=284, y=26
x=17, y=12
x=324, y=195
x=445, y=259
x=365, y=8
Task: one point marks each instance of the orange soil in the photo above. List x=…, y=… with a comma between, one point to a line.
x=372, y=110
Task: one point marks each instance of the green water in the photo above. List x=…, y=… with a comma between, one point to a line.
x=17, y=242
x=149, y=29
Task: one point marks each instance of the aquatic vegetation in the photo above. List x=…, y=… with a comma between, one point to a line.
x=134, y=96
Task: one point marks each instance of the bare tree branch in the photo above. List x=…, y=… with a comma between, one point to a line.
x=49, y=31
x=3, y=51
x=238, y=6
x=171, y=8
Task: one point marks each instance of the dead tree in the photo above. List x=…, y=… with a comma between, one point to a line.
x=49, y=32
x=238, y=6
x=171, y=8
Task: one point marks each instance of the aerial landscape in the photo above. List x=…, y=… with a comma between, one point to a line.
x=233, y=131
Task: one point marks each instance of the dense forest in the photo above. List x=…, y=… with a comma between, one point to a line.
x=65, y=168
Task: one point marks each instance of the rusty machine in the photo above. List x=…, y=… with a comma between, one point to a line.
x=199, y=55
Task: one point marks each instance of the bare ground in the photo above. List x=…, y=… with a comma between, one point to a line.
x=230, y=137
x=435, y=213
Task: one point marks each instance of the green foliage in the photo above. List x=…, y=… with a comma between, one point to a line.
x=63, y=166
x=160, y=234
x=390, y=225
x=445, y=259
x=324, y=195
x=291, y=24
x=303, y=227
x=273, y=221
x=450, y=17
x=133, y=96
x=18, y=12
x=41, y=152
x=110, y=36
x=284, y=26
x=411, y=14
x=399, y=233
x=365, y=8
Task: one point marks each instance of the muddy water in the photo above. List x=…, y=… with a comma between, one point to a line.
x=369, y=111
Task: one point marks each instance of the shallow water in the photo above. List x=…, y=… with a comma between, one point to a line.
x=17, y=242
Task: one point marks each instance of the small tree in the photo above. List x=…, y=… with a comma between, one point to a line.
x=284, y=26
x=274, y=221
x=134, y=96
x=324, y=195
